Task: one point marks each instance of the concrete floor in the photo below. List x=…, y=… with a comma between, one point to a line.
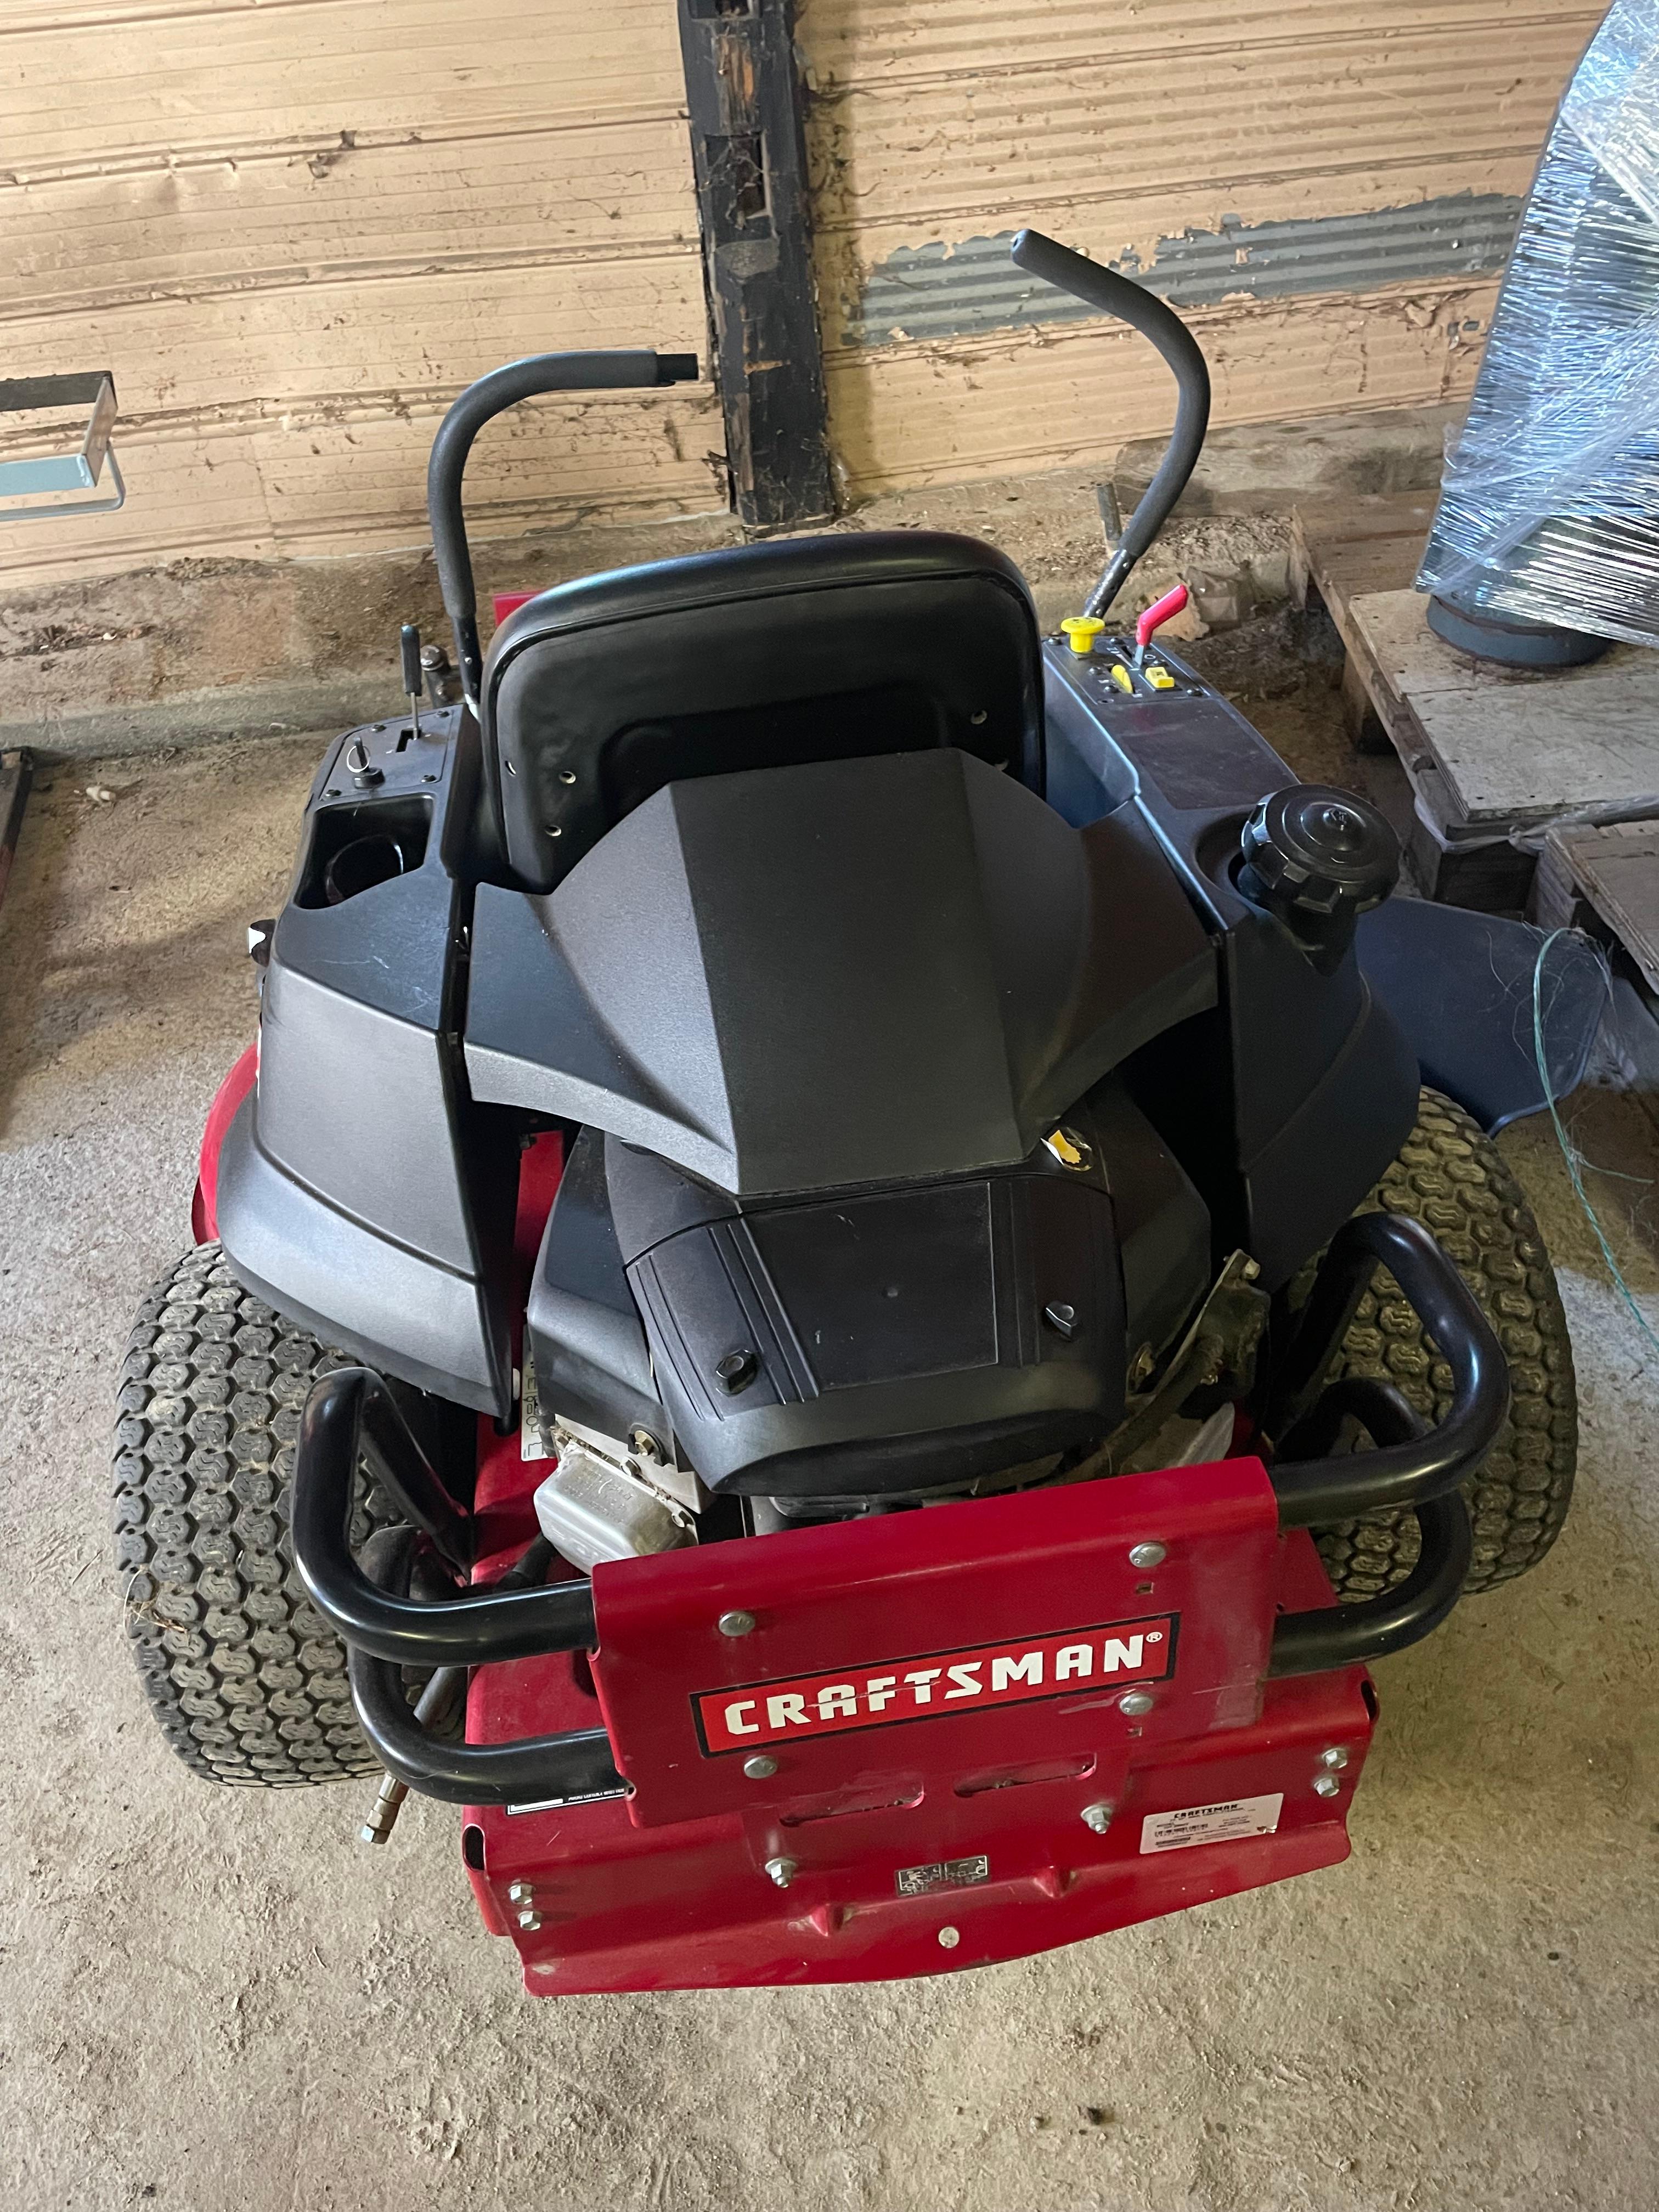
x=213, y=1999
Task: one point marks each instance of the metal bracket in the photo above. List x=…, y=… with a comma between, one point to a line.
x=41, y=479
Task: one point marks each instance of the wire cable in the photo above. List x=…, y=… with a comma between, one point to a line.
x=1569, y=1153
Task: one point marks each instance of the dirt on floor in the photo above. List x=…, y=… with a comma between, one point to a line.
x=213, y=1999
x=217, y=647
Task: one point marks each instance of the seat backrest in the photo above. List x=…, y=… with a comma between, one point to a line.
x=598, y=693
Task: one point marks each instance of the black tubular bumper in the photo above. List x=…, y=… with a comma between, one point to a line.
x=1415, y=1468
x=535, y=1769
x=350, y=1416
x=1409, y=1469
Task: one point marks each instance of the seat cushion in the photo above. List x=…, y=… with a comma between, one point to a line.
x=601, y=692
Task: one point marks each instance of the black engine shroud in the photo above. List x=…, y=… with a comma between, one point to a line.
x=919, y=1056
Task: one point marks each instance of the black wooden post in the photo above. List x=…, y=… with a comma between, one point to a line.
x=744, y=95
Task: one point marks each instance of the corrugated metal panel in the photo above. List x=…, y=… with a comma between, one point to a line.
x=1242, y=156
x=946, y=291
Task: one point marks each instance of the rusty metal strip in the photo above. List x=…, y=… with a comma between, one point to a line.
x=16, y=773
x=742, y=89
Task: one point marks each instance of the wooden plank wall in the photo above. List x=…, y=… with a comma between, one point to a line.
x=1121, y=128
x=295, y=228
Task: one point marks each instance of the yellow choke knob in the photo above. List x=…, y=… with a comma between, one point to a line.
x=1082, y=630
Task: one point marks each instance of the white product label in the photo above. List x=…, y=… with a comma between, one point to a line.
x=1211, y=1824
x=581, y=1797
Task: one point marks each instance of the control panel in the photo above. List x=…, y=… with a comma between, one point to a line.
x=1130, y=722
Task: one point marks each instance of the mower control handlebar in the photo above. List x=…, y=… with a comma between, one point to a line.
x=1131, y=303
x=490, y=396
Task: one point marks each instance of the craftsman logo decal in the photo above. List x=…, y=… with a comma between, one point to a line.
x=933, y=1684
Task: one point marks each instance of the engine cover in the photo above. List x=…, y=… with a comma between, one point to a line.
x=914, y=1337
x=893, y=1340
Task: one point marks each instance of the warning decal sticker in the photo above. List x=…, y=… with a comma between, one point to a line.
x=1211, y=1824
x=943, y=1874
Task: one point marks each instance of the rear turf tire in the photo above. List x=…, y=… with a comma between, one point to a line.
x=245, y=1678
x=1450, y=1176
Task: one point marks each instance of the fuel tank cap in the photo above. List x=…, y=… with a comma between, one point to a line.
x=1313, y=853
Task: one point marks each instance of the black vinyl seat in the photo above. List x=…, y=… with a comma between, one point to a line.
x=597, y=694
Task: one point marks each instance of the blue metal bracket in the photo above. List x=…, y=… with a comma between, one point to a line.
x=41, y=480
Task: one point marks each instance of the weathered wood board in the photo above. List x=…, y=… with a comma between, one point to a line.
x=1146, y=136
x=1613, y=870
x=1350, y=546
x=1514, y=748
x=1343, y=548
x=1492, y=754
x=294, y=232
x=278, y=223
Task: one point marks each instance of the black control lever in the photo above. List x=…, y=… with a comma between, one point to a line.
x=409, y=645
x=1143, y=311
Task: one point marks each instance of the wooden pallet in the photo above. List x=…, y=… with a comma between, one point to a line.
x=1605, y=880
x=1494, y=755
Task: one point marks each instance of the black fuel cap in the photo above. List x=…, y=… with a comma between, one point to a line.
x=1313, y=852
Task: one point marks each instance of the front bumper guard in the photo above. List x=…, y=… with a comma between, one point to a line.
x=1414, y=1467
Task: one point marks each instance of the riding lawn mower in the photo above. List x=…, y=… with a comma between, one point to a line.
x=830, y=1298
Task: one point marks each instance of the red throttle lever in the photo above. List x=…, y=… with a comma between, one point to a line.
x=1157, y=615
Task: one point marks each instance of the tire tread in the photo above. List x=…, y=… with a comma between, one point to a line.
x=1451, y=1176
x=247, y=1681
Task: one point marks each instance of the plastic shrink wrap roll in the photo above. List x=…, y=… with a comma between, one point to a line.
x=1549, y=509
